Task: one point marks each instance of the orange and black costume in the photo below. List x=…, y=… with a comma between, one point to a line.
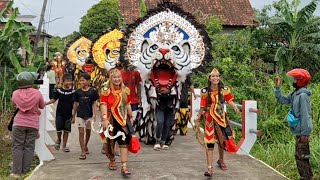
x=117, y=115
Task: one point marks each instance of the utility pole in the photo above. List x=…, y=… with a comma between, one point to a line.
x=35, y=47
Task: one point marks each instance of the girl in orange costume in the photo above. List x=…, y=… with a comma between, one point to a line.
x=115, y=107
x=217, y=126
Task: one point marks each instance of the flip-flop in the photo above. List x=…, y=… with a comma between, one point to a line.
x=125, y=171
x=208, y=174
x=113, y=166
x=66, y=149
x=57, y=146
x=82, y=157
x=86, y=150
x=222, y=166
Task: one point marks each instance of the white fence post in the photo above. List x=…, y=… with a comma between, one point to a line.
x=45, y=87
x=41, y=148
x=249, y=127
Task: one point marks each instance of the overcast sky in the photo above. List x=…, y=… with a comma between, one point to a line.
x=69, y=12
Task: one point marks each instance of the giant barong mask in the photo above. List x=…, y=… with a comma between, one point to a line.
x=165, y=47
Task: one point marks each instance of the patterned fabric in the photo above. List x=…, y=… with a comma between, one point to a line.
x=215, y=112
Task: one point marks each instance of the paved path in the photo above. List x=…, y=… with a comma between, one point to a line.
x=184, y=160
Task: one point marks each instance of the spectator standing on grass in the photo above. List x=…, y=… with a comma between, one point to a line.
x=299, y=117
x=26, y=123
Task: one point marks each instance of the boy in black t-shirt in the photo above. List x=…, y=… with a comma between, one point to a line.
x=86, y=107
x=64, y=111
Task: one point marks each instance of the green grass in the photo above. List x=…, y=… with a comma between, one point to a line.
x=280, y=155
x=5, y=150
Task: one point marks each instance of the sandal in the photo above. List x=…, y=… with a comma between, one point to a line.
x=86, y=150
x=57, y=146
x=222, y=165
x=82, y=157
x=124, y=170
x=66, y=149
x=113, y=165
x=209, y=173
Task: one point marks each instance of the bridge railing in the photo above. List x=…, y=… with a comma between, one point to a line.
x=41, y=148
x=248, y=125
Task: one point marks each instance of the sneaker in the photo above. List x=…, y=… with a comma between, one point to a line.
x=157, y=147
x=14, y=176
x=165, y=147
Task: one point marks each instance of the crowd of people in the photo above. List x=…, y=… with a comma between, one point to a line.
x=119, y=100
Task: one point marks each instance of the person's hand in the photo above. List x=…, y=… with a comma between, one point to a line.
x=164, y=90
x=277, y=81
x=304, y=139
x=105, y=123
x=236, y=110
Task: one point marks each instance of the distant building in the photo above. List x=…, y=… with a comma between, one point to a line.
x=235, y=14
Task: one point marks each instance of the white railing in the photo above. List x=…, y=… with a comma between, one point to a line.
x=41, y=147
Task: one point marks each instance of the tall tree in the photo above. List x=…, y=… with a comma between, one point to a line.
x=99, y=18
x=299, y=32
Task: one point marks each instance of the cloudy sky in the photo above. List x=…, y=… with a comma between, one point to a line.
x=64, y=15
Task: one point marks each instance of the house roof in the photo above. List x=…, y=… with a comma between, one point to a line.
x=3, y=4
x=231, y=12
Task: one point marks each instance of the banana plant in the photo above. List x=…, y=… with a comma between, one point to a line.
x=300, y=32
x=14, y=36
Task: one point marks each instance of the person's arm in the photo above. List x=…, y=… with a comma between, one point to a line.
x=305, y=115
x=74, y=111
x=129, y=112
x=42, y=104
x=192, y=92
x=104, y=115
x=234, y=106
x=282, y=99
x=94, y=111
x=51, y=101
x=138, y=85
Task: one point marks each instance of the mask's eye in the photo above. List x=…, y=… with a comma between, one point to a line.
x=175, y=48
x=84, y=51
x=154, y=47
x=115, y=51
x=107, y=51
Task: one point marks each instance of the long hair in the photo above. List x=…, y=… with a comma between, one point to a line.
x=116, y=72
x=220, y=96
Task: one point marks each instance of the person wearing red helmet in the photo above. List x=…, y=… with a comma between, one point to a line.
x=299, y=117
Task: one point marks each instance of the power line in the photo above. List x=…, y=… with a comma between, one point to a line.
x=28, y=8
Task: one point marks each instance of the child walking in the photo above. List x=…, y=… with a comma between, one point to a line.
x=85, y=104
x=65, y=94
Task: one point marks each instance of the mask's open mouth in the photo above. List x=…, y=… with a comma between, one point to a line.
x=88, y=67
x=163, y=74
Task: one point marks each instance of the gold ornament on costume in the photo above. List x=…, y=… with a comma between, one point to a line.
x=79, y=51
x=106, y=50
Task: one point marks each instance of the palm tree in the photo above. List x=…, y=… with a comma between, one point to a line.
x=299, y=32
